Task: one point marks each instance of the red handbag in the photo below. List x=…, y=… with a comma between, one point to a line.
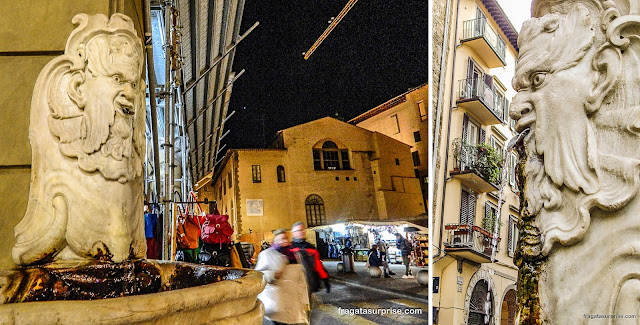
x=216, y=229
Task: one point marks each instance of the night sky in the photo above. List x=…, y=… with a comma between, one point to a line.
x=378, y=51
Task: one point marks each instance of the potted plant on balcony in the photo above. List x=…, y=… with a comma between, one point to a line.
x=489, y=163
x=489, y=222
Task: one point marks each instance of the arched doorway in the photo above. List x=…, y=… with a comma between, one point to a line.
x=481, y=305
x=508, y=310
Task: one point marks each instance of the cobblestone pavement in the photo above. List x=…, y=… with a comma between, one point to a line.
x=384, y=300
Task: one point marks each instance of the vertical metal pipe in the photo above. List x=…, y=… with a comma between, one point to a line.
x=168, y=117
x=234, y=169
x=151, y=75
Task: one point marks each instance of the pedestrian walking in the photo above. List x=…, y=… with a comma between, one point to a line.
x=310, y=259
x=285, y=297
x=405, y=251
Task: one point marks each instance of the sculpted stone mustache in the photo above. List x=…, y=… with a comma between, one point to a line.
x=87, y=138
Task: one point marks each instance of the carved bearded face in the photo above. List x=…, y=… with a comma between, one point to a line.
x=111, y=94
x=554, y=79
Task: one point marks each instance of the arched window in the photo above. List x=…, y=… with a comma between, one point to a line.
x=315, y=211
x=481, y=305
x=280, y=172
x=330, y=157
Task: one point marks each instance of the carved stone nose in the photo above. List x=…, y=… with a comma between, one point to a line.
x=127, y=93
x=519, y=108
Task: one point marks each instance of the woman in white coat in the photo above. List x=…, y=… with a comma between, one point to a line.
x=285, y=297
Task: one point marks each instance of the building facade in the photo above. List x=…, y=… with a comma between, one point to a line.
x=475, y=234
x=322, y=172
x=404, y=118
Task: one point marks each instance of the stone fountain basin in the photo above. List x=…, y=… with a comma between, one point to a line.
x=185, y=293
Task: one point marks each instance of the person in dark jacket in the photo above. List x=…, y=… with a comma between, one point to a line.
x=374, y=257
x=315, y=271
x=405, y=251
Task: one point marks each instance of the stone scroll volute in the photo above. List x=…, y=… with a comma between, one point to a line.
x=87, y=139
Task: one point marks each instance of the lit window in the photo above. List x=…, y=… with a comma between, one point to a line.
x=280, y=172
x=330, y=157
x=256, y=174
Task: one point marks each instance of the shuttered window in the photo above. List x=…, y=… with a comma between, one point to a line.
x=512, y=241
x=467, y=208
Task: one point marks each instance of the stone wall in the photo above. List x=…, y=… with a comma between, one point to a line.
x=438, y=30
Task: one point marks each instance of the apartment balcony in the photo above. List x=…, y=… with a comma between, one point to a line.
x=476, y=166
x=469, y=242
x=484, y=40
x=481, y=100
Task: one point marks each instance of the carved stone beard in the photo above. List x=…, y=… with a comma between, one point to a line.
x=119, y=145
x=540, y=191
x=118, y=158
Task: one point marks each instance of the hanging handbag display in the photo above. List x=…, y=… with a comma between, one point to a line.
x=216, y=229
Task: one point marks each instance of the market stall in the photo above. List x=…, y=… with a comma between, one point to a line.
x=360, y=235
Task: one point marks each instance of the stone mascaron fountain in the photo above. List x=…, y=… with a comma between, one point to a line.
x=81, y=242
x=578, y=109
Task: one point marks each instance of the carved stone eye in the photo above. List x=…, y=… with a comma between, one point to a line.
x=537, y=79
x=117, y=79
x=134, y=85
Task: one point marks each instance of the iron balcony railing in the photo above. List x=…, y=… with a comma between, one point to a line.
x=477, y=89
x=481, y=159
x=479, y=27
x=464, y=236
